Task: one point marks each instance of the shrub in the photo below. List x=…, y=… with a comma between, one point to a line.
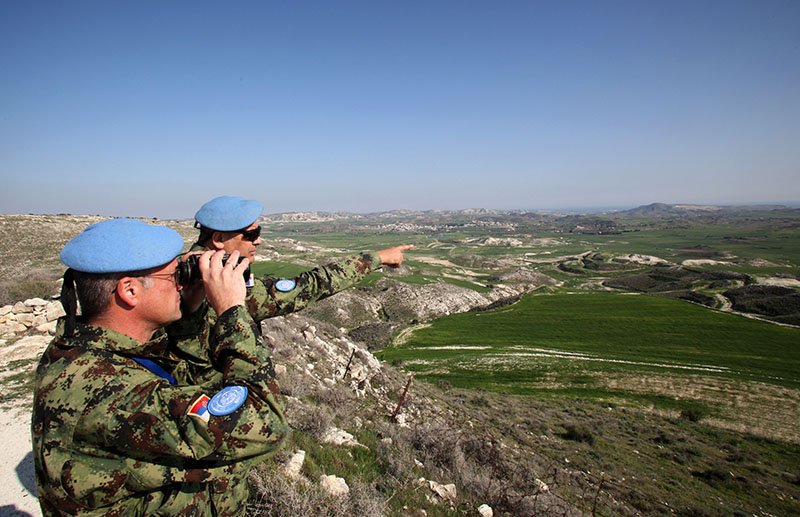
x=444, y=385
x=662, y=438
x=294, y=383
x=438, y=444
x=712, y=476
x=336, y=396
x=694, y=413
x=35, y=284
x=578, y=433
x=375, y=335
x=778, y=303
x=396, y=458
x=479, y=400
x=272, y=494
x=313, y=420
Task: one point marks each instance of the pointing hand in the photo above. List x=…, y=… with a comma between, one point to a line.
x=393, y=257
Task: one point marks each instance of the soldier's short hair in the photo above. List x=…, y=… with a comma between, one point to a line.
x=205, y=235
x=94, y=291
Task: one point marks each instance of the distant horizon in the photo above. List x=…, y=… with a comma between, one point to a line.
x=567, y=209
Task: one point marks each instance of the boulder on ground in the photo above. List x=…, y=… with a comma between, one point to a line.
x=446, y=493
x=338, y=436
x=295, y=465
x=334, y=485
x=54, y=310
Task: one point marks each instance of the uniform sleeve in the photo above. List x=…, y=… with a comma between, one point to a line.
x=275, y=297
x=146, y=418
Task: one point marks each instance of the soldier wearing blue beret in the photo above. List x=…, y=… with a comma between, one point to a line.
x=230, y=224
x=120, y=424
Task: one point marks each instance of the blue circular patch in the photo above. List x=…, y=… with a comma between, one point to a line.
x=285, y=286
x=227, y=400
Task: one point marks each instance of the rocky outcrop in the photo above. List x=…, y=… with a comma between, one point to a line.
x=373, y=315
x=496, y=241
x=32, y=314
x=408, y=302
x=25, y=349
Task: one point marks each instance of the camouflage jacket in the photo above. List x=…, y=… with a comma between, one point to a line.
x=270, y=297
x=110, y=437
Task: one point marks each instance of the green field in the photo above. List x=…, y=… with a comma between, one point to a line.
x=277, y=269
x=563, y=342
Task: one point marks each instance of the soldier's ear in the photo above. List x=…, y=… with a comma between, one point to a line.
x=128, y=290
x=217, y=240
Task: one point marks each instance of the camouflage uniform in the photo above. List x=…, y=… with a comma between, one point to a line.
x=112, y=438
x=264, y=301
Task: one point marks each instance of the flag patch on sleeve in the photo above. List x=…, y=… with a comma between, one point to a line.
x=199, y=408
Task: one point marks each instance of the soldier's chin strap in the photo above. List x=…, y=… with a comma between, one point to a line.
x=69, y=301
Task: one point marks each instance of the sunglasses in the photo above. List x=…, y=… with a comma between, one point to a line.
x=173, y=277
x=251, y=235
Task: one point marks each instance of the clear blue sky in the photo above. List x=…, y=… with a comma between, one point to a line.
x=151, y=108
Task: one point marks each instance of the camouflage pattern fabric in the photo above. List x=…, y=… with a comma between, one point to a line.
x=112, y=438
x=264, y=300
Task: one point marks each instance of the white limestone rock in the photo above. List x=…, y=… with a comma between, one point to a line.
x=47, y=328
x=28, y=347
x=12, y=327
x=336, y=436
x=446, y=493
x=21, y=308
x=54, y=310
x=26, y=319
x=39, y=319
x=334, y=485
x=295, y=465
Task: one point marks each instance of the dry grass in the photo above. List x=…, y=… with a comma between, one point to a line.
x=275, y=495
x=34, y=241
x=35, y=283
x=760, y=409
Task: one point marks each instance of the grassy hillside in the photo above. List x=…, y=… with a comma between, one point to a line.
x=597, y=332
x=648, y=352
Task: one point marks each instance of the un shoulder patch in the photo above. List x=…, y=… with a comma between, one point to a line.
x=227, y=400
x=285, y=285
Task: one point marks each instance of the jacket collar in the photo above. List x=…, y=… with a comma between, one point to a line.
x=110, y=340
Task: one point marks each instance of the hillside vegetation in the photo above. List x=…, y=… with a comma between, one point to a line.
x=541, y=364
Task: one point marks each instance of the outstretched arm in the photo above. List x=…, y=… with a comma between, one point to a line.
x=393, y=257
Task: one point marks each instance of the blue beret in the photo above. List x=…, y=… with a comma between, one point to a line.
x=121, y=245
x=228, y=213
